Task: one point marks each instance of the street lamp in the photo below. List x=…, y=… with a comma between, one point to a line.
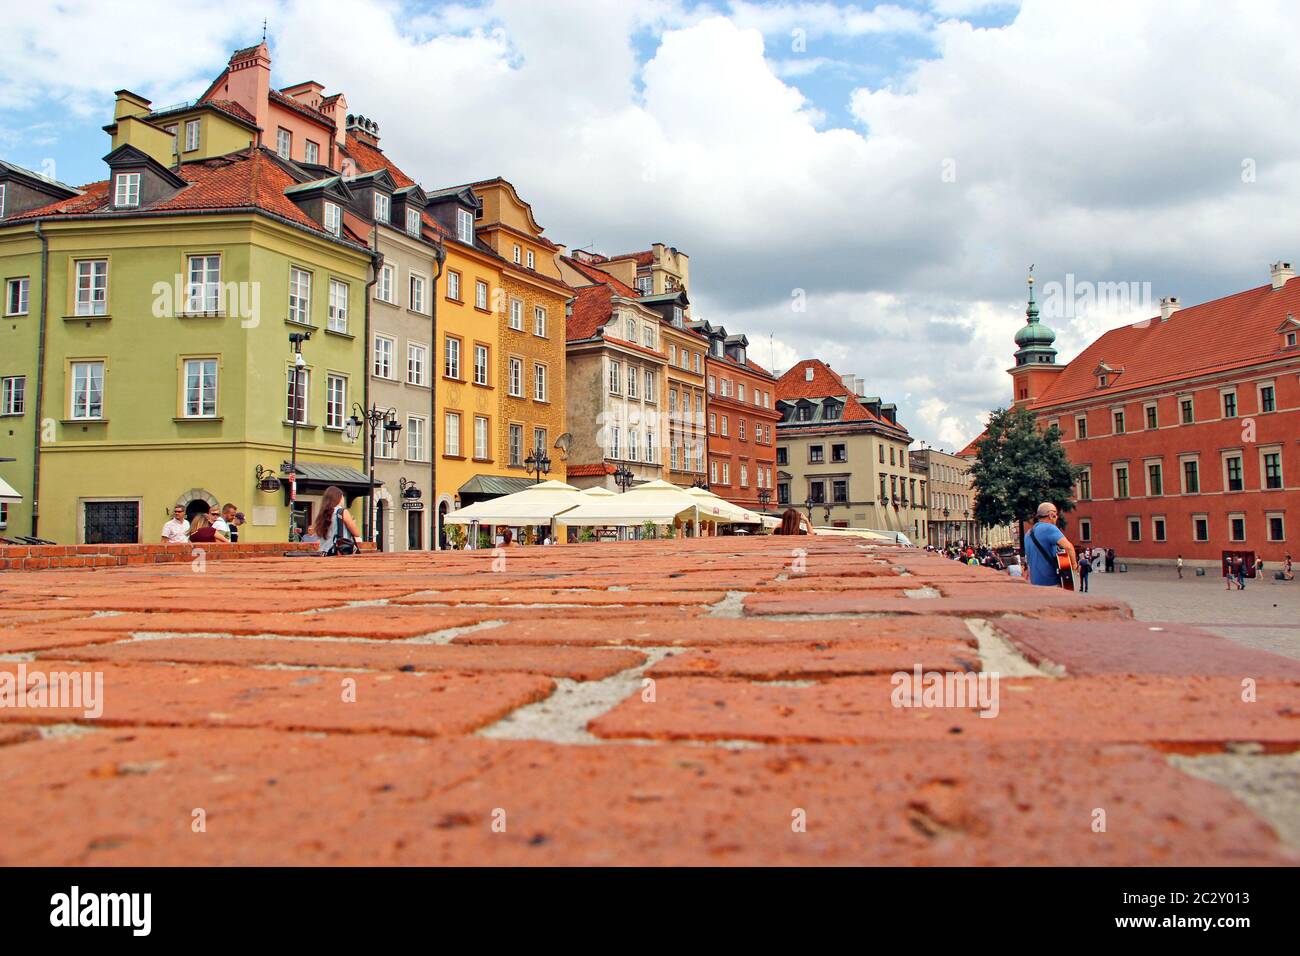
x=764, y=498
x=623, y=477
x=537, y=463
x=372, y=421
x=296, y=418
x=700, y=483
x=946, y=529
x=807, y=504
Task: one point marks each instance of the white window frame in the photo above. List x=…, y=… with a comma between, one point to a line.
x=532, y=260
x=311, y=152
x=416, y=438
x=417, y=364
x=482, y=437
x=384, y=287
x=299, y=295
x=301, y=397
x=21, y=303
x=516, y=449
x=480, y=294
x=539, y=321
x=333, y=219
x=451, y=434
x=517, y=314
x=451, y=347
x=465, y=226
x=206, y=395
x=383, y=207
x=540, y=392
x=481, y=376
x=413, y=223
x=92, y=287
x=615, y=378
x=337, y=320
x=82, y=410
x=415, y=299
x=203, y=294
x=453, y=286
x=336, y=400
x=13, y=395
x=383, y=352
x=193, y=136
x=126, y=190
x=515, y=378
x=284, y=143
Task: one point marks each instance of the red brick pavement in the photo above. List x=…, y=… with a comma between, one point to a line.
x=685, y=702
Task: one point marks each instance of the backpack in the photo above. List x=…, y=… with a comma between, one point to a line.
x=344, y=543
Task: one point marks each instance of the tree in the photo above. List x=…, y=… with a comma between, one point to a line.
x=1017, y=467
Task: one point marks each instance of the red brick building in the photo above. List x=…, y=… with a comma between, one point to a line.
x=1187, y=426
x=742, y=417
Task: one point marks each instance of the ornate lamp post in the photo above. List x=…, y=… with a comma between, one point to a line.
x=371, y=421
x=295, y=390
x=537, y=463
x=623, y=477
x=700, y=483
x=764, y=498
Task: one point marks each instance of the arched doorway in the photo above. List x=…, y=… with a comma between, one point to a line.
x=197, y=501
x=381, y=524
x=444, y=508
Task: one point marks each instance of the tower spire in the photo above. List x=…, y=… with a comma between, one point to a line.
x=1034, y=340
x=1031, y=313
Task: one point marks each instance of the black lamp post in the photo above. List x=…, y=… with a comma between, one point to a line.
x=623, y=477
x=764, y=498
x=372, y=421
x=537, y=463
x=295, y=344
x=808, y=503
x=700, y=483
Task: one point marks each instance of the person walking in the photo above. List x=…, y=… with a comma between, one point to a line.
x=1085, y=569
x=1180, y=567
x=1228, y=574
x=176, y=530
x=1110, y=560
x=1241, y=574
x=1041, y=543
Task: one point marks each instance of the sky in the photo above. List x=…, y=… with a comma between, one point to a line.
x=867, y=184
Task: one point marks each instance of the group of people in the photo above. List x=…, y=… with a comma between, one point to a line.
x=976, y=556
x=213, y=525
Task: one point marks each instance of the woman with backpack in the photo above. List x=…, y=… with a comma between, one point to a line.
x=334, y=525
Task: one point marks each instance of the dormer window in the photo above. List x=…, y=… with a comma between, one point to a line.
x=382, y=205
x=831, y=411
x=333, y=219
x=645, y=284
x=740, y=355
x=191, y=135
x=2, y=200
x=126, y=190
x=808, y=374
x=465, y=226
x=679, y=317
x=716, y=348
x=283, y=142
x=1103, y=381
x=413, y=222
x=1290, y=336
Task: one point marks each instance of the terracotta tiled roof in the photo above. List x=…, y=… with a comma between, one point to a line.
x=794, y=385
x=288, y=102
x=244, y=179
x=1214, y=336
x=595, y=274
x=586, y=471
x=235, y=110
x=592, y=307
x=645, y=258
x=369, y=158
x=971, y=450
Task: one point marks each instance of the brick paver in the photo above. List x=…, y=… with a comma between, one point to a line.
x=725, y=700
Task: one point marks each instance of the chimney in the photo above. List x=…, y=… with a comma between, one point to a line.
x=364, y=130
x=1168, y=306
x=1280, y=272
x=248, y=83
x=129, y=104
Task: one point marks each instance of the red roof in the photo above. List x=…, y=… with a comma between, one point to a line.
x=586, y=471
x=235, y=110
x=971, y=450
x=245, y=179
x=288, y=102
x=370, y=158
x=794, y=385
x=596, y=274
x=1201, y=339
x=592, y=308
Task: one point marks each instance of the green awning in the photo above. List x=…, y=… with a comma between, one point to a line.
x=315, y=476
x=493, y=486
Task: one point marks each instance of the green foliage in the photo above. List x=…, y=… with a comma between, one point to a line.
x=1017, y=467
x=650, y=530
x=484, y=539
x=456, y=535
x=587, y=534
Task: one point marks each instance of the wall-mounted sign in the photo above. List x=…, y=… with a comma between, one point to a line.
x=412, y=505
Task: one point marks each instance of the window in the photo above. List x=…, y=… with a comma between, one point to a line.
x=453, y=285
x=613, y=442
x=338, y=314
x=333, y=219
x=724, y=424
x=87, y=390
x=283, y=142
x=1201, y=528
x=384, y=286
x=517, y=314
x=648, y=336
x=415, y=438
x=782, y=455
x=1272, y=470
x=1155, y=480
x=451, y=357
x=1191, y=477
x=516, y=378
x=413, y=222
x=1188, y=410
x=817, y=492
x=387, y=445
x=1081, y=426
x=816, y=454
x=1085, y=529
x=465, y=226
x=191, y=135
x=480, y=294
x=891, y=456
x=383, y=204
x=92, y=287
x=713, y=423
x=615, y=378
x=539, y=382
x=169, y=130
x=1085, y=486
x=632, y=377
x=539, y=321
x=1153, y=419
x=200, y=388
x=417, y=364
x=481, y=438
x=783, y=492
x=126, y=189
x=300, y=296
x=1134, y=529
x=697, y=363
x=203, y=293
x=831, y=411
x=726, y=472
x=1290, y=336
x=744, y=475
x=1119, y=423
x=645, y=284
x=516, y=444
x=480, y=365
x=1235, y=480
x=679, y=317
x=1267, y=399
x=651, y=386
x=712, y=389
x=1121, y=481
x=336, y=400
x=451, y=434
x=297, y=393
x=311, y=152
x=13, y=395
x=740, y=429
x=1157, y=529
x=881, y=450
x=840, y=491
x=532, y=262
x=416, y=302
x=1236, y=527
x=1229, y=404
x=539, y=438
x=519, y=257
x=17, y=296
x=384, y=348
x=1276, y=528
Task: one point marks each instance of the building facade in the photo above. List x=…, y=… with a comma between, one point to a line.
x=841, y=455
x=948, y=497
x=1184, y=425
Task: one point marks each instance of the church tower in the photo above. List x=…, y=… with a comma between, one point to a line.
x=1035, y=370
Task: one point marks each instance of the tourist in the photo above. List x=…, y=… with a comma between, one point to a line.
x=1228, y=574
x=1241, y=574
x=176, y=530
x=1041, y=543
x=218, y=519
x=1180, y=567
x=1287, y=573
x=1110, y=560
x=226, y=522
x=794, y=522
x=1085, y=569
x=202, y=531
x=334, y=525
x=505, y=538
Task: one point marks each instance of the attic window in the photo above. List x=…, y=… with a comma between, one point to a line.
x=831, y=411
x=2, y=200
x=464, y=226
x=333, y=219
x=382, y=204
x=808, y=374
x=1103, y=381
x=532, y=259
x=1290, y=338
x=283, y=142
x=679, y=317
x=126, y=190
x=413, y=222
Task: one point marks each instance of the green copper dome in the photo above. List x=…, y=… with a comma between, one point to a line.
x=1034, y=340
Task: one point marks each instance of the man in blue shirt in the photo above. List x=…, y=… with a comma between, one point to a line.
x=1040, y=548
